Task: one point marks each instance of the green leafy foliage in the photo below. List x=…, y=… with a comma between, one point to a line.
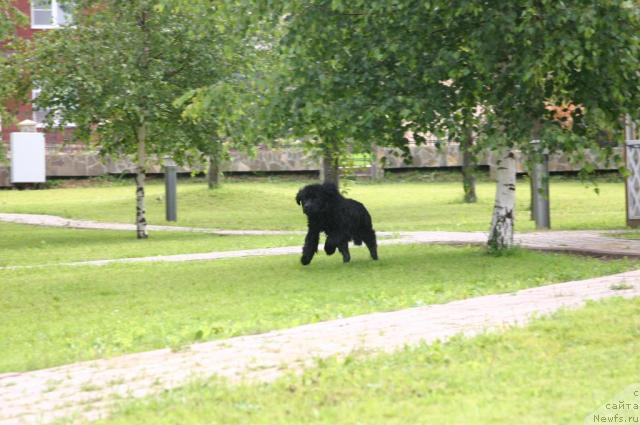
x=329, y=92
x=367, y=70
x=123, y=65
x=10, y=82
x=11, y=18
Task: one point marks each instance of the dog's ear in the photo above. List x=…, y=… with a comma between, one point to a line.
x=299, y=197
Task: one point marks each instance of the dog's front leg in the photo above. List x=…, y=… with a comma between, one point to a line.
x=330, y=245
x=310, y=246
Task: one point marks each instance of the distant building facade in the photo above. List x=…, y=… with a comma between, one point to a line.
x=42, y=15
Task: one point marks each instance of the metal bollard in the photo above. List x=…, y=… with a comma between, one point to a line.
x=540, y=179
x=170, y=184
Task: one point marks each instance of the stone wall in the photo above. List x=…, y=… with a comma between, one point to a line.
x=88, y=164
x=272, y=160
x=426, y=156
x=449, y=156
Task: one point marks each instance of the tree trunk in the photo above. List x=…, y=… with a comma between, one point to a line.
x=502, y=222
x=330, y=171
x=535, y=135
x=377, y=162
x=141, y=221
x=468, y=169
x=532, y=190
x=213, y=175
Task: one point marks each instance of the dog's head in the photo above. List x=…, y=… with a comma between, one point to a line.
x=317, y=198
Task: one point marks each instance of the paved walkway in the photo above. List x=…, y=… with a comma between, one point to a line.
x=55, y=221
x=90, y=389
x=597, y=243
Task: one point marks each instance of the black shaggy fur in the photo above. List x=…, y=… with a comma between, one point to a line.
x=342, y=220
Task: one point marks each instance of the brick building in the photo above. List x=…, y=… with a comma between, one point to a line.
x=42, y=15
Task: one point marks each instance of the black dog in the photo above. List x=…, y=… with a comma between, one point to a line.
x=340, y=218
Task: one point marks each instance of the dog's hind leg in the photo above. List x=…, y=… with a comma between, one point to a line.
x=369, y=239
x=344, y=250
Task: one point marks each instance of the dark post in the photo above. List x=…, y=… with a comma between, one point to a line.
x=540, y=178
x=170, y=183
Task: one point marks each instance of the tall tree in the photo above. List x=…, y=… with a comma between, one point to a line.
x=433, y=63
x=11, y=85
x=316, y=93
x=237, y=109
x=117, y=72
x=227, y=110
x=531, y=56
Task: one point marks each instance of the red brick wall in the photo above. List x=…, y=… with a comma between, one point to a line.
x=25, y=111
x=24, y=6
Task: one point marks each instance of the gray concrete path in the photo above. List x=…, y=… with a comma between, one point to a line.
x=578, y=242
x=433, y=237
x=55, y=221
x=90, y=389
x=594, y=242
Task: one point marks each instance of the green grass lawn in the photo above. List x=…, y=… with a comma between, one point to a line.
x=269, y=204
x=635, y=234
x=31, y=245
x=555, y=371
x=58, y=315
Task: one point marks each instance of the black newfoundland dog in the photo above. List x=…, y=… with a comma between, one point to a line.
x=340, y=218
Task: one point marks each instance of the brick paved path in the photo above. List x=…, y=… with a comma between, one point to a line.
x=89, y=389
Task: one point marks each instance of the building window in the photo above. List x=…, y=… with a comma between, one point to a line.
x=50, y=13
x=40, y=115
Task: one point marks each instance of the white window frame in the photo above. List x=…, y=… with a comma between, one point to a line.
x=55, y=11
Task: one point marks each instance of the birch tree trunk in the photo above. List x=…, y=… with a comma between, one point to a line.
x=141, y=221
x=468, y=169
x=330, y=170
x=502, y=222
